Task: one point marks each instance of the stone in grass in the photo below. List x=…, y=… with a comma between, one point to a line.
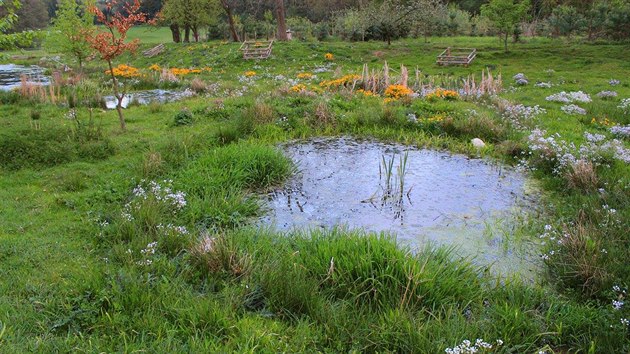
x=478, y=143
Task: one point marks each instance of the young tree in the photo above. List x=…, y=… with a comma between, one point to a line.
x=112, y=42
x=565, y=20
x=72, y=21
x=191, y=15
x=505, y=15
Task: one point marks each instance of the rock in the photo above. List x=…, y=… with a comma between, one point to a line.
x=478, y=143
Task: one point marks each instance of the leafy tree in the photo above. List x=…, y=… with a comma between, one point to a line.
x=427, y=19
x=112, y=42
x=66, y=35
x=8, y=18
x=191, y=15
x=228, y=7
x=280, y=18
x=618, y=22
x=505, y=15
x=565, y=20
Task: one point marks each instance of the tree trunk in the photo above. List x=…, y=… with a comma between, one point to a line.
x=187, y=34
x=175, y=32
x=505, y=40
x=282, y=25
x=228, y=12
x=119, y=98
x=195, y=32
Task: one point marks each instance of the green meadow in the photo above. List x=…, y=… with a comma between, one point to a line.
x=145, y=240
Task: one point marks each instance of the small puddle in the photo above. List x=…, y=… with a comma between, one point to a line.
x=445, y=199
x=148, y=96
x=11, y=76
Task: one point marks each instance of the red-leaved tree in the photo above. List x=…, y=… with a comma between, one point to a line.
x=112, y=41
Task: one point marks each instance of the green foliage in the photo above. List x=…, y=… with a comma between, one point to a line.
x=183, y=117
x=506, y=15
x=565, y=20
x=67, y=34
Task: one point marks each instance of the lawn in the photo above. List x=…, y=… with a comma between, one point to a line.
x=145, y=240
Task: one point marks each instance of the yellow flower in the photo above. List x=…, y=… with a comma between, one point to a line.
x=365, y=93
x=250, y=73
x=125, y=71
x=329, y=56
x=155, y=67
x=397, y=91
x=298, y=88
x=340, y=82
x=304, y=76
x=443, y=94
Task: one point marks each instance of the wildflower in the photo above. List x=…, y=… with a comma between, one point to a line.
x=124, y=71
x=443, y=94
x=617, y=304
x=614, y=82
x=329, y=56
x=250, y=73
x=520, y=79
x=365, y=93
x=543, y=84
x=343, y=81
x=305, y=76
x=625, y=321
x=570, y=97
x=573, y=109
x=299, y=88
x=155, y=67
x=607, y=94
x=622, y=131
x=625, y=105
x=397, y=91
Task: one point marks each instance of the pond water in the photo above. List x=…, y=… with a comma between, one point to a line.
x=148, y=96
x=445, y=199
x=11, y=76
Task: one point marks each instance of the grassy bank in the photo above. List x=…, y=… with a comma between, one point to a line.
x=143, y=240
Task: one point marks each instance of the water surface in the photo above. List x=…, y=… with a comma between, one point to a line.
x=446, y=199
x=11, y=76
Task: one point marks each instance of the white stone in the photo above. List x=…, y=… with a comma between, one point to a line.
x=478, y=143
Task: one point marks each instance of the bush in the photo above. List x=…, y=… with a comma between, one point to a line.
x=183, y=117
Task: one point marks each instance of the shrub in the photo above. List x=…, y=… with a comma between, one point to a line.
x=183, y=117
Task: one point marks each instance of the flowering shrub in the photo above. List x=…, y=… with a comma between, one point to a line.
x=343, y=81
x=625, y=105
x=298, y=88
x=397, y=91
x=573, y=109
x=365, y=93
x=305, y=76
x=520, y=79
x=124, y=71
x=249, y=73
x=561, y=155
x=622, y=131
x=439, y=93
x=607, y=94
x=182, y=72
x=329, y=56
x=570, y=97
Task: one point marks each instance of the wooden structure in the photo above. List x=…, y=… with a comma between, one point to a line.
x=457, y=56
x=149, y=53
x=256, y=49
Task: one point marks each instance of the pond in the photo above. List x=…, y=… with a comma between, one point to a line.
x=422, y=196
x=148, y=96
x=11, y=76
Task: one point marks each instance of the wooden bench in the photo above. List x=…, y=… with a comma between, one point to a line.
x=149, y=53
x=256, y=49
x=457, y=56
